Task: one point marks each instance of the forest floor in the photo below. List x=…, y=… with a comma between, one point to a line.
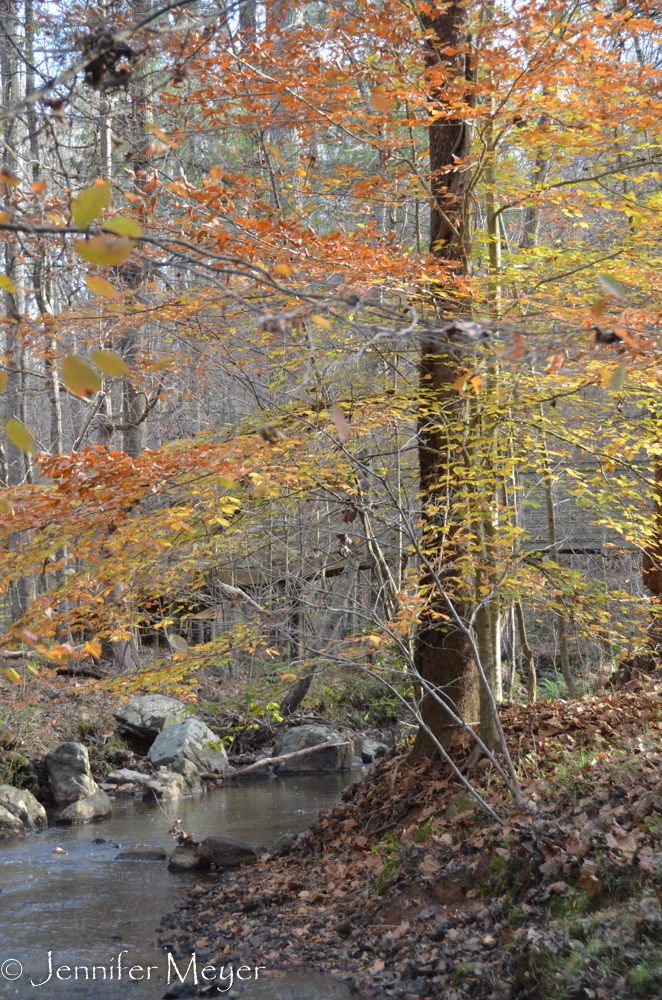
x=408, y=889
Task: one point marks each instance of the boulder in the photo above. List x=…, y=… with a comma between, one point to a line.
x=150, y=714
x=187, y=741
x=68, y=773
x=125, y=776
x=181, y=778
x=19, y=811
x=284, y=844
x=226, y=852
x=143, y=852
x=372, y=750
x=185, y=859
x=95, y=806
x=325, y=761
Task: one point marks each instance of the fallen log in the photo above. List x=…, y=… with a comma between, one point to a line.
x=275, y=760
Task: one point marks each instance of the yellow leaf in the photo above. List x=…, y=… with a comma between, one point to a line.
x=13, y=675
x=274, y=152
x=101, y=286
x=284, y=270
x=6, y=177
x=598, y=308
x=33, y=670
x=7, y=284
x=110, y=363
x=4, y=217
x=157, y=366
x=5, y=506
x=55, y=219
x=150, y=127
x=79, y=377
x=3, y=381
x=90, y=203
x=93, y=648
x=106, y=251
x=380, y=100
x=321, y=321
x=19, y=435
x=123, y=226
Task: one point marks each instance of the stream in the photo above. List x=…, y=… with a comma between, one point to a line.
x=85, y=907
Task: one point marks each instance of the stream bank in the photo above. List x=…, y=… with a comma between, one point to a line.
x=406, y=891
x=86, y=907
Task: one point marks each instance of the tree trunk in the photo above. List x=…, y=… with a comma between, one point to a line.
x=298, y=691
x=442, y=653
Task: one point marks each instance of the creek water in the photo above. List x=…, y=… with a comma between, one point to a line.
x=84, y=907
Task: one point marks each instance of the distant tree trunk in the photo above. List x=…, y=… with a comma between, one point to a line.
x=554, y=556
x=298, y=691
x=652, y=566
x=442, y=652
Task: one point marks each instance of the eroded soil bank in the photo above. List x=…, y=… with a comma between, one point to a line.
x=406, y=888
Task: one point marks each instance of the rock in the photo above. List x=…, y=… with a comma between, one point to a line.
x=418, y=988
x=181, y=778
x=187, y=741
x=185, y=859
x=68, y=773
x=371, y=750
x=95, y=806
x=150, y=714
x=143, y=852
x=19, y=811
x=226, y=852
x=125, y=776
x=283, y=845
x=302, y=737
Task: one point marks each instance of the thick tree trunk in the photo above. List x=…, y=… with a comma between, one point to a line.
x=442, y=652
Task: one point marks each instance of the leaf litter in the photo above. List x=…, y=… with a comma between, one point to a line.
x=407, y=889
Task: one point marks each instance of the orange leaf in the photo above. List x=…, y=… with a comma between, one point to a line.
x=39, y=186
x=341, y=424
x=93, y=648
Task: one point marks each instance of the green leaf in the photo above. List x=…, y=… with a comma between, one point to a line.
x=124, y=227
x=90, y=203
x=110, y=363
x=7, y=284
x=105, y=251
x=157, y=366
x=612, y=286
x=618, y=378
x=79, y=377
x=5, y=505
x=19, y=435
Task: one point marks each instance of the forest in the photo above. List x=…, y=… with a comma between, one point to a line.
x=328, y=401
